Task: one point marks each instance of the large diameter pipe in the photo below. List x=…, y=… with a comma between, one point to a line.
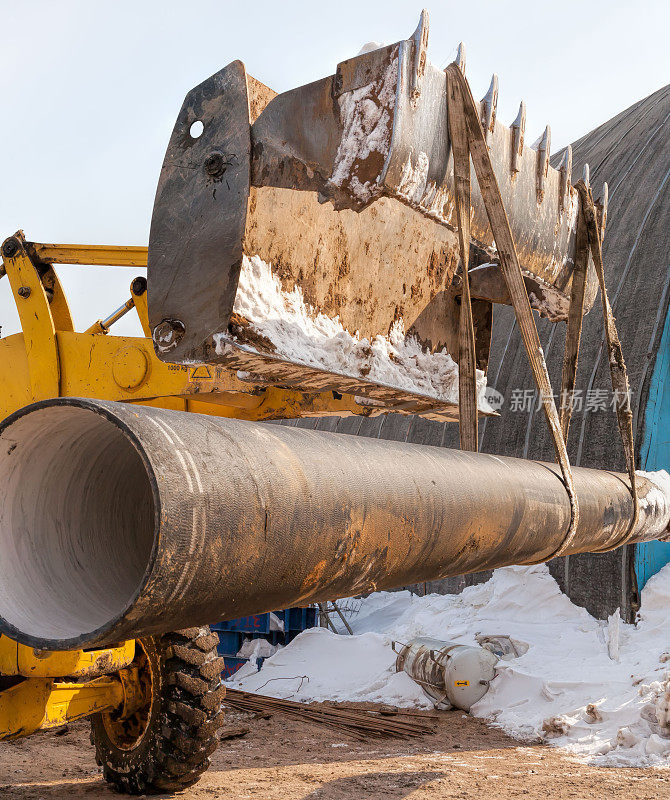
x=120, y=521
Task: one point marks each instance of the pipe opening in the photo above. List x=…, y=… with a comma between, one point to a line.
x=76, y=522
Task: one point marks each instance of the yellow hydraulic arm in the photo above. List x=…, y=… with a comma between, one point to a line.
x=50, y=359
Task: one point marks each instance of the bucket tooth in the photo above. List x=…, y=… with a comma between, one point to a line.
x=565, y=171
x=518, y=134
x=420, y=39
x=460, y=57
x=489, y=105
x=543, y=153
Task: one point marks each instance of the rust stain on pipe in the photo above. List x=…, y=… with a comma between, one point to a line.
x=120, y=521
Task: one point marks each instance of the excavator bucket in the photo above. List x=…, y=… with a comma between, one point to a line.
x=308, y=239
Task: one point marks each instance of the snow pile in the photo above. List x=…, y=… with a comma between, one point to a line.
x=258, y=648
x=368, y=47
x=317, y=340
x=599, y=689
x=366, y=115
x=319, y=665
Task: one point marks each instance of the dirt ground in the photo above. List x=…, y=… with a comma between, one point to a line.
x=283, y=759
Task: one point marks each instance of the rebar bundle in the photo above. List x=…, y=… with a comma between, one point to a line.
x=360, y=723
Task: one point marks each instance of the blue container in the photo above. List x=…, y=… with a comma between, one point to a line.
x=233, y=632
x=299, y=619
x=294, y=619
x=256, y=623
x=232, y=664
x=229, y=642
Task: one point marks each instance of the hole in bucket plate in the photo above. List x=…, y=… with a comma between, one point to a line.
x=196, y=129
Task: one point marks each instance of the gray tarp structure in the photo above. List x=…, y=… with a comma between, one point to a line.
x=632, y=153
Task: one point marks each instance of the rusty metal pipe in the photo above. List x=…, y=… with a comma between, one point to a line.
x=120, y=521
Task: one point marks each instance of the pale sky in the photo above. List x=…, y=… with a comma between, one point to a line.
x=90, y=91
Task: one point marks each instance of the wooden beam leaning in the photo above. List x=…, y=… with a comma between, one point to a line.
x=467, y=366
x=573, y=333
x=509, y=261
x=618, y=371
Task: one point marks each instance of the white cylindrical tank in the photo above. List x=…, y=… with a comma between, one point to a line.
x=451, y=674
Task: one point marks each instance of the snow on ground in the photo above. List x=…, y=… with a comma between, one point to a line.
x=302, y=335
x=599, y=689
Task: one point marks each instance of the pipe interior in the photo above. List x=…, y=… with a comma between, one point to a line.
x=76, y=522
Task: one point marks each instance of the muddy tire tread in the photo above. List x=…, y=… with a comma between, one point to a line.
x=185, y=733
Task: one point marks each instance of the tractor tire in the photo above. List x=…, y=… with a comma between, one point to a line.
x=167, y=744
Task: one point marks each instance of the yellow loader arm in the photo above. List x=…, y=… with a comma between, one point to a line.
x=51, y=359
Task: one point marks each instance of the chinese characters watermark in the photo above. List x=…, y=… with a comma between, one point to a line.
x=590, y=400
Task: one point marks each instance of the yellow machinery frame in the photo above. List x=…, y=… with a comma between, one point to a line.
x=40, y=690
x=42, y=699
x=50, y=359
